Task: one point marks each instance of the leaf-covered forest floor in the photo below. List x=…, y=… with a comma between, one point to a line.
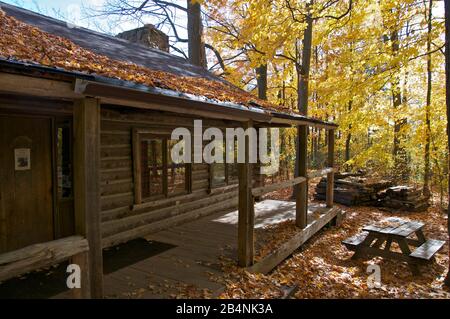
x=323, y=267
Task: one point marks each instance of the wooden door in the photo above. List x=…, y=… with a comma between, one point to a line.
x=26, y=193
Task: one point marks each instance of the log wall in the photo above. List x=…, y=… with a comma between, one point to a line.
x=122, y=220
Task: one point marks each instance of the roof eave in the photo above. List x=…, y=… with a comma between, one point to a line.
x=126, y=93
x=116, y=91
x=297, y=119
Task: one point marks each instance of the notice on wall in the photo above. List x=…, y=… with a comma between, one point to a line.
x=22, y=158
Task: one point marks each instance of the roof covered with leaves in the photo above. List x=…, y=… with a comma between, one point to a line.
x=33, y=38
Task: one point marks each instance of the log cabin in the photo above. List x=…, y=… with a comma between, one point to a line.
x=85, y=122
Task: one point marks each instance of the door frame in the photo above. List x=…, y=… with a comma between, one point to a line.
x=56, y=121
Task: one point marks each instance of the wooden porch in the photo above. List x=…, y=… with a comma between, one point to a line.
x=85, y=248
x=193, y=252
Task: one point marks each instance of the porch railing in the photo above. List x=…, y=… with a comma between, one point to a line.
x=38, y=256
x=247, y=193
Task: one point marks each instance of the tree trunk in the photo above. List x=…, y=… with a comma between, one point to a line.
x=426, y=177
x=304, y=68
x=261, y=78
x=261, y=73
x=303, y=82
x=197, y=52
x=348, y=141
x=447, y=75
x=400, y=156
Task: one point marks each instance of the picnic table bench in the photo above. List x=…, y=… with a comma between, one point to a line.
x=370, y=242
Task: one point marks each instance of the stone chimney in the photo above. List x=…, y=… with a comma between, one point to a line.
x=147, y=35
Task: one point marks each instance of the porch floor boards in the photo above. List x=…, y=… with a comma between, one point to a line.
x=195, y=258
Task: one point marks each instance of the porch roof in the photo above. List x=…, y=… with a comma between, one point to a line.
x=35, y=41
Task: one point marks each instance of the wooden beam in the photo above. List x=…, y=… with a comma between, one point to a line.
x=330, y=178
x=246, y=208
x=87, y=186
x=301, y=170
x=82, y=260
x=14, y=83
x=293, y=121
x=286, y=249
x=148, y=100
x=274, y=187
x=137, y=165
x=38, y=256
x=163, y=224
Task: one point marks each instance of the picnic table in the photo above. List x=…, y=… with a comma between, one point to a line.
x=377, y=239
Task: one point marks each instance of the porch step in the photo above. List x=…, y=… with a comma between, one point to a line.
x=428, y=249
x=353, y=242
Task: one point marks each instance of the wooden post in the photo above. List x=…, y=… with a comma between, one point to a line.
x=246, y=208
x=87, y=187
x=82, y=260
x=258, y=177
x=301, y=165
x=330, y=176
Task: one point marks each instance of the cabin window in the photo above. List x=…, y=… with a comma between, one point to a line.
x=64, y=218
x=152, y=171
x=156, y=175
x=64, y=161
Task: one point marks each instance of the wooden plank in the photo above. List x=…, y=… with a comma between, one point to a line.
x=271, y=261
x=352, y=243
x=147, y=229
x=301, y=190
x=428, y=249
x=175, y=208
x=246, y=208
x=11, y=103
x=376, y=229
x=165, y=202
x=26, y=197
x=87, y=186
x=402, y=229
x=114, y=118
x=330, y=178
x=138, y=99
x=42, y=255
x=84, y=292
x=274, y=187
x=14, y=83
x=299, y=121
x=407, y=229
x=137, y=168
